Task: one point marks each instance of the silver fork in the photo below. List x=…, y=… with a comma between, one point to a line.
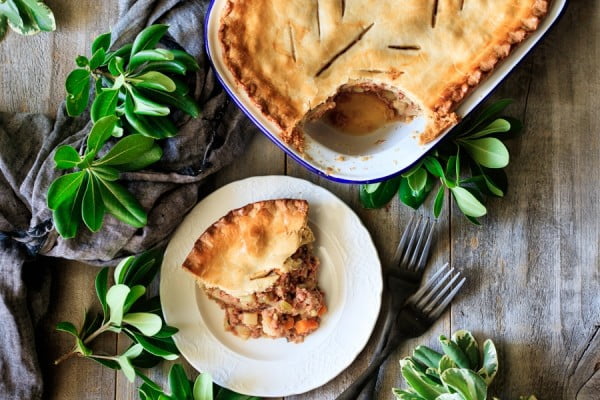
x=403, y=278
x=419, y=313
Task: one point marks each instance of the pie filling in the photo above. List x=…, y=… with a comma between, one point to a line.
x=361, y=109
x=291, y=308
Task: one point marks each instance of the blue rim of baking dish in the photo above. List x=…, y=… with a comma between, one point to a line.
x=323, y=174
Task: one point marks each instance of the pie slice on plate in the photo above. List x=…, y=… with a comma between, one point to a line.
x=256, y=262
x=301, y=60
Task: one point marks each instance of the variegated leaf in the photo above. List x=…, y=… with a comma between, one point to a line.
x=402, y=394
x=489, y=363
x=450, y=396
x=468, y=344
x=465, y=382
x=446, y=363
x=420, y=382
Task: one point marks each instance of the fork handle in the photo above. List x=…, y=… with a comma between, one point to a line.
x=353, y=391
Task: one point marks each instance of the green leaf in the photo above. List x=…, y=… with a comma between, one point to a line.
x=41, y=13
x=91, y=323
x=147, y=323
x=64, y=188
x=101, y=284
x=434, y=167
x=467, y=203
x=454, y=352
x=92, y=210
x=115, y=298
x=419, y=382
x=120, y=203
x=145, y=106
x=78, y=91
x=136, y=292
x=226, y=394
x=148, y=158
x=144, y=268
x=426, y=356
x=490, y=362
x=445, y=363
x=154, y=80
x=106, y=173
x=179, y=383
x=82, y=61
x=402, y=394
x=408, y=197
x=100, y=133
x=486, y=116
x=498, y=126
x=123, y=52
x=125, y=361
x=67, y=327
x=439, y=202
x=112, y=364
x=116, y=66
x=451, y=169
x=101, y=42
x=66, y=157
x=417, y=181
x=156, y=347
x=148, y=38
x=186, y=59
x=67, y=216
x=122, y=269
x=104, y=104
x=465, y=382
x=171, y=67
x=468, y=344
x=184, y=103
x=10, y=13
x=97, y=58
x=378, y=196
x=203, y=387
x=158, y=128
x=127, y=150
x=145, y=56
x=489, y=152
x=166, y=332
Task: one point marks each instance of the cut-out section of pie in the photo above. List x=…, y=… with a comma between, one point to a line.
x=256, y=262
x=295, y=57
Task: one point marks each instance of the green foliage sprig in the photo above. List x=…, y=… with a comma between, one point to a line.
x=25, y=17
x=462, y=372
x=126, y=310
x=181, y=388
x=135, y=91
x=469, y=165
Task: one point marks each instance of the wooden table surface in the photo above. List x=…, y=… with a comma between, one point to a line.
x=533, y=268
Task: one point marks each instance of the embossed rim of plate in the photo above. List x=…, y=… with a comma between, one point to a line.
x=352, y=173
x=323, y=355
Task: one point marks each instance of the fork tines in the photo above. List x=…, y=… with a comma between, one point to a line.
x=414, y=245
x=438, y=292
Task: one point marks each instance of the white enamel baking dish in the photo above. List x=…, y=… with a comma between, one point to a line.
x=363, y=159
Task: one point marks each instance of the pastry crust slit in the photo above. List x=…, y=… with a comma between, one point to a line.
x=344, y=50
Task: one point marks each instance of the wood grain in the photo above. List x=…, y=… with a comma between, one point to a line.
x=533, y=268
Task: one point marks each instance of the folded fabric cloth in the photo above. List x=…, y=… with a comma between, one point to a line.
x=168, y=191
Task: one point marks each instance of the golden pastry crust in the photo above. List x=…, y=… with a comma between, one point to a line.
x=239, y=252
x=292, y=56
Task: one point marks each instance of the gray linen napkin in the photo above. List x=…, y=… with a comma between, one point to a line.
x=27, y=143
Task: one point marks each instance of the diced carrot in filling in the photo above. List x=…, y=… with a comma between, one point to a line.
x=306, y=325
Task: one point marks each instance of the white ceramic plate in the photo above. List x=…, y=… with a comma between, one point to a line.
x=348, y=159
x=350, y=276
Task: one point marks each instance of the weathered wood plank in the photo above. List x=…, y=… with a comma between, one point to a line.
x=535, y=264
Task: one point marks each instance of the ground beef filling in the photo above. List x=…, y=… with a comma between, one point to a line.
x=291, y=308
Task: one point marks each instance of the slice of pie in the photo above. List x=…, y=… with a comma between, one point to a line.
x=256, y=263
x=297, y=59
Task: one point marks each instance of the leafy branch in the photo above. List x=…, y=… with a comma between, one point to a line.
x=135, y=91
x=125, y=310
x=183, y=389
x=469, y=166
x=462, y=372
x=26, y=17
